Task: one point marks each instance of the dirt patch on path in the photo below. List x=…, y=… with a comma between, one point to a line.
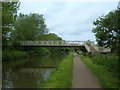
x=82, y=76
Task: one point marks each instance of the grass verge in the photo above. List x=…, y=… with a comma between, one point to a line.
x=61, y=77
x=107, y=79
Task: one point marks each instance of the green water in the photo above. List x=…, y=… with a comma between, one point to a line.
x=29, y=73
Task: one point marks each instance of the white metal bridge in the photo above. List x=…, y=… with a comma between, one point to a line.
x=62, y=43
x=52, y=43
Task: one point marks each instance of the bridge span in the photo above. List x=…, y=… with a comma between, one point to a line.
x=52, y=43
x=90, y=47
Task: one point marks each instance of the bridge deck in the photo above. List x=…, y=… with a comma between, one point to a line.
x=61, y=43
x=53, y=46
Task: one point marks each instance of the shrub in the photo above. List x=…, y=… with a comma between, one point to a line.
x=110, y=61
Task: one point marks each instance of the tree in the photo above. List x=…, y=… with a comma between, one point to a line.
x=29, y=27
x=89, y=42
x=50, y=36
x=53, y=37
x=107, y=30
x=9, y=14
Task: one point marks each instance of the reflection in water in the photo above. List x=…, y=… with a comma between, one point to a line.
x=0, y=73
x=25, y=77
x=28, y=74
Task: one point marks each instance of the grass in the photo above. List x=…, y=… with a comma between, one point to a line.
x=61, y=77
x=101, y=68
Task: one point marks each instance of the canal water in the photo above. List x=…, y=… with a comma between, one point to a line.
x=29, y=73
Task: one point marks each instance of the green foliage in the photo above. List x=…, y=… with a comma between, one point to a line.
x=110, y=61
x=107, y=30
x=29, y=27
x=105, y=68
x=11, y=55
x=41, y=51
x=62, y=77
x=53, y=37
x=46, y=50
x=9, y=14
x=25, y=27
x=50, y=36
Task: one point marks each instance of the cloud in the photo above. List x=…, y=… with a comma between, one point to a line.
x=75, y=19
x=71, y=21
x=67, y=0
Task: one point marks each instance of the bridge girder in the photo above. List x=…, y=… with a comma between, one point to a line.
x=51, y=43
x=62, y=43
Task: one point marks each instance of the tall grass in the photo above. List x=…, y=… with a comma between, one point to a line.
x=110, y=61
x=105, y=67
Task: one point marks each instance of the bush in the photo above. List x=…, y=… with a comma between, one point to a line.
x=41, y=51
x=107, y=79
x=110, y=61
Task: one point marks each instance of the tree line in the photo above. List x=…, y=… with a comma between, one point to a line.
x=25, y=27
x=32, y=26
x=107, y=30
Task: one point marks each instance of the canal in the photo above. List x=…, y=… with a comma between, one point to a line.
x=30, y=72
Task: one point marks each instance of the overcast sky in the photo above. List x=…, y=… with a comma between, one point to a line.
x=70, y=20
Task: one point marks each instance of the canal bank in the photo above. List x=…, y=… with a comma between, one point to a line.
x=27, y=73
x=105, y=68
x=62, y=76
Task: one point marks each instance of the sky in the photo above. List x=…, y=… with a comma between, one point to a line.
x=69, y=20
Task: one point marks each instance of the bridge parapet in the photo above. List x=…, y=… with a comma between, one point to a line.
x=52, y=43
x=89, y=47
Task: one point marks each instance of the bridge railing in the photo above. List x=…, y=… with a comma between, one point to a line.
x=52, y=43
x=89, y=47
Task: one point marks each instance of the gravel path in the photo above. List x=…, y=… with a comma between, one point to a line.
x=82, y=76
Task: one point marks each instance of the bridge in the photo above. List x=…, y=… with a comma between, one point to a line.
x=90, y=47
x=52, y=43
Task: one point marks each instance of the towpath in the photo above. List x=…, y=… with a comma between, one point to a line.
x=82, y=76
